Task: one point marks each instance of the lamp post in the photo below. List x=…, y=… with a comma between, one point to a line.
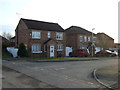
x=92, y=41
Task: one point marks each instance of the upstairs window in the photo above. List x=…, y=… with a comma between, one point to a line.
x=89, y=39
x=81, y=38
x=49, y=34
x=85, y=38
x=59, y=36
x=36, y=34
x=94, y=39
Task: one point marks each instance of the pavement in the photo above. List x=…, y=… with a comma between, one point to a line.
x=107, y=76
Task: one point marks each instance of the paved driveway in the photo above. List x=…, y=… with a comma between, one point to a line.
x=74, y=74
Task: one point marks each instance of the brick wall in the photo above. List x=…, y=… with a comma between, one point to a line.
x=104, y=41
x=24, y=35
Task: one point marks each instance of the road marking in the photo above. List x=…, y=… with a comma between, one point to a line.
x=42, y=69
x=90, y=83
x=59, y=68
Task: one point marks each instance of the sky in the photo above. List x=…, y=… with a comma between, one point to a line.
x=88, y=14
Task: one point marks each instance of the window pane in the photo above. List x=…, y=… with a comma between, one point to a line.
x=81, y=38
x=88, y=38
x=94, y=39
x=36, y=48
x=59, y=36
x=49, y=34
x=85, y=38
x=60, y=47
x=36, y=34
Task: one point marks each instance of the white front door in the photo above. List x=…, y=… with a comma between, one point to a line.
x=51, y=51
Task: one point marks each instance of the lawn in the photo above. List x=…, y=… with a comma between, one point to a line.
x=44, y=58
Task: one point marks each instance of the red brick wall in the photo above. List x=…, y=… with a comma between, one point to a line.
x=83, y=43
x=71, y=40
x=104, y=41
x=24, y=35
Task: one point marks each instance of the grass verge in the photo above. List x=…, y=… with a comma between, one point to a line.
x=46, y=58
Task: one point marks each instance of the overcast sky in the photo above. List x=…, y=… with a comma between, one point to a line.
x=99, y=14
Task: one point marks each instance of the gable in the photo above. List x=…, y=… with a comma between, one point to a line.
x=21, y=26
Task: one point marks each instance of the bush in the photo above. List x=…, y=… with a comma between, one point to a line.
x=22, y=52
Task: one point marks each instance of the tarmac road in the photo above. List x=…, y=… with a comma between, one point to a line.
x=75, y=74
x=14, y=79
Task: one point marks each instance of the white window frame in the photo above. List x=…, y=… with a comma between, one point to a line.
x=49, y=34
x=60, y=47
x=36, y=48
x=94, y=39
x=81, y=38
x=59, y=36
x=36, y=34
x=89, y=38
x=85, y=38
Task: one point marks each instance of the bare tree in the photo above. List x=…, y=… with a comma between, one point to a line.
x=7, y=35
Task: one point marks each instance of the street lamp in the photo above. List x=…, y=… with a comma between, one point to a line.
x=92, y=41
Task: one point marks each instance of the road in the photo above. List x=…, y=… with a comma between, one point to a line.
x=74, y=74
x=15, y=79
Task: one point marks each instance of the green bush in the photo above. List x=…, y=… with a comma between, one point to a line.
x=22, y=52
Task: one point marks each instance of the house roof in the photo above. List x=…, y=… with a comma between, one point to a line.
x=77, y=30
x=105, y=35
x=41, y=25
x=3, y=39
x=13, y=37
x=46, y=41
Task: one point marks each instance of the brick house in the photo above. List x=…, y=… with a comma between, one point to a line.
x=4, y=41
x=12, y=41
x=79, y=38
x=117, y=45
x=104, y=41
x=42, y=39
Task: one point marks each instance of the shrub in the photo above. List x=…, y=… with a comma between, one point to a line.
x=22, y=52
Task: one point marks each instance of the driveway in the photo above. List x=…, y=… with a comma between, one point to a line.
x=62, y=74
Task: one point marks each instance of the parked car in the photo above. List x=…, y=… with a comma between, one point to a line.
x=106, y=53
x=79, y=53
x=113, y=52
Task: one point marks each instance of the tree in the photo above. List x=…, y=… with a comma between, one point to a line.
x=22, y=51
x=7, y=35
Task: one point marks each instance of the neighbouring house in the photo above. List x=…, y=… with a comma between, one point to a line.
x=104, y=41
x=4, y=41
x=42, y=39
x=12, y=41
x=80, y=38
x=117, y=45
